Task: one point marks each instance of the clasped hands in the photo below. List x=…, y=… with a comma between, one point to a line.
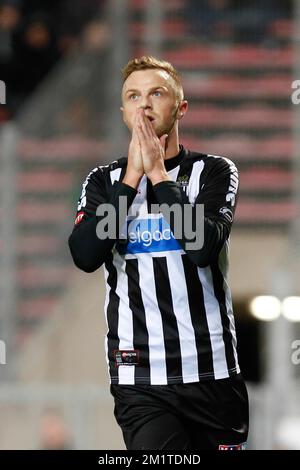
x=146, y=153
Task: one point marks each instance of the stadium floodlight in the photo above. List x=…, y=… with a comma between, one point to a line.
x=265, y=307
x=291, y=308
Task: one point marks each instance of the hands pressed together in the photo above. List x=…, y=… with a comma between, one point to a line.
x=146, y=153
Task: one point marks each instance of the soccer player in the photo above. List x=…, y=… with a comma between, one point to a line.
x=171, y=341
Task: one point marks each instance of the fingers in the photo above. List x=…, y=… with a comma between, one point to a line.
x=140, y=129
x=136, y=126
x=135, y=134
x=144, y=125
x=135, y=123
x=147, y=136
x=163, y=141
x=135, y=137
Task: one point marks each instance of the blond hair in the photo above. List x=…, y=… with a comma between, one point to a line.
x=149, y=62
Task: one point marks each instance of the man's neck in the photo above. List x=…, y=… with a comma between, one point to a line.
x=172, y=151
x=172, y=148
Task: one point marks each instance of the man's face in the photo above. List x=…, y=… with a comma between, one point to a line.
x=153, y=90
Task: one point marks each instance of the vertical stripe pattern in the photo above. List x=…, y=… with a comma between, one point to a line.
x=140, y=333
x=169, y=322
x=159, y=304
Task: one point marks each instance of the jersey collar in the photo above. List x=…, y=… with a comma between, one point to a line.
x=171, y=163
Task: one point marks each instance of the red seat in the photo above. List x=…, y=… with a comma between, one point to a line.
x=170, y=29
x=167, y=5
x=37, y=244
x=242, y=146
x=4, y=114
x=266, y=212
x=45, y=181
x=43, y=212
x=234, y=57
x=31, y=276
x=37, y=308
x=246, y=117
x=66, y=149
x=235, y=87
x=266, y=179
x=282, y=29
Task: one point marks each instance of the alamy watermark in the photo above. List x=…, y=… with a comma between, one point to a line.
x=2, y=352
x=295, y=357
x=2, y=92
x=295, y=96
x=188, y=224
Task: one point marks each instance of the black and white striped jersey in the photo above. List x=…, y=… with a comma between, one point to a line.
x=168, y=307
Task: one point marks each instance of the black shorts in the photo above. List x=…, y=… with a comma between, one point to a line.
x=208, y=415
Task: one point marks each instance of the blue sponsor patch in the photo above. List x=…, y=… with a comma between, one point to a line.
x=148, y=236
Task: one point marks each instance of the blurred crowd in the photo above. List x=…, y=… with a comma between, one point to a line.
x=54, y=432
x=248, y=21
x=35, y=34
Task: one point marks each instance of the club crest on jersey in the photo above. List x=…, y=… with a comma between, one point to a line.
x=183, y=181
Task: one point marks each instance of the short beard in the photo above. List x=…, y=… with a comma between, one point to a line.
x=167, y=130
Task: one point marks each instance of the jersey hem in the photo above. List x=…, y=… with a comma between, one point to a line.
x=179, y=379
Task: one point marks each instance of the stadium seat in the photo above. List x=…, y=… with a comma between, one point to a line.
x=231, y=57
x=233, y=87
x=272, y=213
x=244, y=117
x=45, y=181
x=34, y=212
x=266, y=179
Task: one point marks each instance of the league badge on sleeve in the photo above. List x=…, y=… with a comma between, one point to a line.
x=79, y=218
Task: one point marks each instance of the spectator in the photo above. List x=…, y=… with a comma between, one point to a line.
x=9, y=19
x=209, y=19
x=54, y=434
x=35, y=53
x=234, y=20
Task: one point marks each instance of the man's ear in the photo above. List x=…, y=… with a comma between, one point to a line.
x=122, y=111
x=123, y=115
x=182, y=109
